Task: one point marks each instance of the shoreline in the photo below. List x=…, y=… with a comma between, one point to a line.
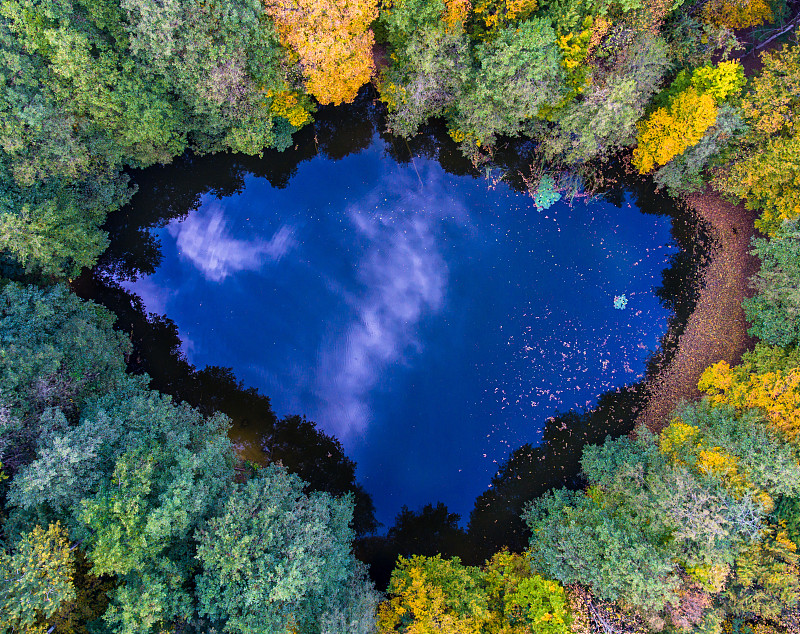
x=716, y=330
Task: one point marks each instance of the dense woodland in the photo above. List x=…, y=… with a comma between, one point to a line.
x=124, y=505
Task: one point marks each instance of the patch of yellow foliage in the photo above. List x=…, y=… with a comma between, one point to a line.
x=722, y=466
x=711, y=577
x=288, y=104
x=456, y=13
x=719, y=81
x=778, y=395
x=497, y=13
x=333, y=41
x=684, y=444
x=670, y=131
x=577, y=49
x=43, y=572
x=678, y=437
x=425, y=604
x=737, y=14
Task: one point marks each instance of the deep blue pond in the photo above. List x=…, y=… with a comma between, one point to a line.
x=432, y=322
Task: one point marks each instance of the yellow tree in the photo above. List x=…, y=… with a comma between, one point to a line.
x=670, y=131
x=431, y=594
x=332, y=40
x=737, y=14
x=36, y=580
x=690, y=111
x=776, y=393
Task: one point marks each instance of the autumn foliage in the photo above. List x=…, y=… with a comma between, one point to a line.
x=670, y=131
x=737, y=14
x=691, y=110
x=776, y=393
x=333, y=41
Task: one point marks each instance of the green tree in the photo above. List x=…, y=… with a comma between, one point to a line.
x=602, y=119
x=762, y=167
x=428, y=77
x=133, y=480
x=774, y=310
x=517, y=74
x=55, y=350
x=276, y=559
x=226, y=63
x=583, y=539
x=52, y=228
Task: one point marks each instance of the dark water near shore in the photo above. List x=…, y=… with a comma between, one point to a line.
x=430, y=320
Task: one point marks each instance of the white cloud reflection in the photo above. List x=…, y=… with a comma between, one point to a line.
x=404, y=279
x=205, y=240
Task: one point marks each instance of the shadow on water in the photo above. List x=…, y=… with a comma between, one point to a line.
x=171, y=192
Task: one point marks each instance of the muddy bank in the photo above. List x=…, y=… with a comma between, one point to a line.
x=717, y=329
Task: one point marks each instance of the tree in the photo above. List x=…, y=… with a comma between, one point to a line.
x=690, y=109
x=431, y=594
x=737, y=15
x=775, y=393
x=762, y=168
x=603, y=118
x=53, y=228
x=520, y=601
x=132, y=481
x=578, y=538
x=685, y=172
x=738, y=448
x=517, y=74
x=333, y=41
x=274, y=558
x=36, y=579
x=775, y=308
x=55, y=350
x=669, y=132
x=225, y=61
x=427, y=80
x=766, y=578
x=491, y=16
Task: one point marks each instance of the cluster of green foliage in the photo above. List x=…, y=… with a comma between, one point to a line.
x=775, y=308
x=573, y=76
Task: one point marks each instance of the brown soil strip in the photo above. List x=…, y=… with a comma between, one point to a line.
x=717, y=329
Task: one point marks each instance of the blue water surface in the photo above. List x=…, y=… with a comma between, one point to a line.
x=431, y=322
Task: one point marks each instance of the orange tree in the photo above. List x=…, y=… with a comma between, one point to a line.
x=333, y=41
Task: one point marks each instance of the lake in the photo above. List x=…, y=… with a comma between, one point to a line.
x=425, y=313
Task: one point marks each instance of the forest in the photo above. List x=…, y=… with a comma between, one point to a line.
x=125, y=507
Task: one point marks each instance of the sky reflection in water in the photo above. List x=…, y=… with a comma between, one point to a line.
x=428, y=320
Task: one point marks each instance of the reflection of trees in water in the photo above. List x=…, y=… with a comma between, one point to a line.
x=171, y=192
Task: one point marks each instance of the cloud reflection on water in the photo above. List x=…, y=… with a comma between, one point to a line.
x=403, y=279
x=204, y=239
